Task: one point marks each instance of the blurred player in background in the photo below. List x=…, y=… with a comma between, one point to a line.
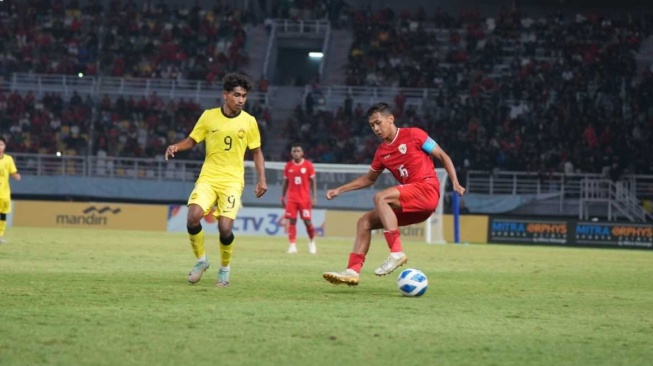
x=298, y=182
x=7, y=169
x=407, y=153
x=227, y=131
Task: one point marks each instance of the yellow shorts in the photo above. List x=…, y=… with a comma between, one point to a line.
x=5, y=205
x=225, y=196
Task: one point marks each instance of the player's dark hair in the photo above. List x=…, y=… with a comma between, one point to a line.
x=380, y=108
x=234, y=80
x=3, y=139
x=296, y=144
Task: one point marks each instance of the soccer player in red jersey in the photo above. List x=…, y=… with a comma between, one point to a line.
x=407, y=153
x=298, y=181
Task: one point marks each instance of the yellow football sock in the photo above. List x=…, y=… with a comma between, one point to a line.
x=225, y=254
x=197, y=242
x=3, y=227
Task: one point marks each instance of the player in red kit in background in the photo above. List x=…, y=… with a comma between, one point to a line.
x=407, y=153
x=298, y=182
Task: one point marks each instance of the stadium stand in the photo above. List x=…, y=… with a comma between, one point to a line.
x=511, y=92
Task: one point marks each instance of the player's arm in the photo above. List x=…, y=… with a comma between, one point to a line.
x=363, y=181
x=259, y=165
x=13, y=170
x=448, y=166
x=284, y=189
x=183, y=145
x=314, y=187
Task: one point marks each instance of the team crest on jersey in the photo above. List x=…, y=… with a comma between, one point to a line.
x=303, y=170
x=402, y=148
x=241, y=133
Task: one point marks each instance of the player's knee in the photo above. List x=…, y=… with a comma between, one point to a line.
x=195, y=214
x=364, y=224
x=380, y=197
x=194, y=230
x=308, y=223
x=227, y=240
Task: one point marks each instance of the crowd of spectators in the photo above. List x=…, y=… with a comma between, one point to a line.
x=515, y=93
x=121, y=38
x=126, y=39
x=125, y=127
x=510, y=92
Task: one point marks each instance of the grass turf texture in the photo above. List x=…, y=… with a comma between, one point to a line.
x=121, y=298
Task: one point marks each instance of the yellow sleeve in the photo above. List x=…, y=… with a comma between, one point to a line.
x=199, y=131
x=12, y=166
x=253, y=135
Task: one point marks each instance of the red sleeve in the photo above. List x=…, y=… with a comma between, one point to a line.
x=376, y=163
x=420, y=136
x=285, y=171
x=311, y=170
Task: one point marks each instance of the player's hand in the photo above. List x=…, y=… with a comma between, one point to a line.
x=170, y=151
x=459, y=189
x=261, y=188
x=314, y=201
x=332, y=193
x=17, y=176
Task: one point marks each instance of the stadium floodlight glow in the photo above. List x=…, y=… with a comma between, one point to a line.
x=315, y=54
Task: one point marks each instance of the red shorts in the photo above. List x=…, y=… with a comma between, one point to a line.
x=292, y=208
x=418, y=201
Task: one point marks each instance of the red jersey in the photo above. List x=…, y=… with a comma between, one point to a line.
x=404, y=157
x=299, y=180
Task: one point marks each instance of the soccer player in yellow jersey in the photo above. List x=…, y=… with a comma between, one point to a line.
x=7, y=168
x=227, y=132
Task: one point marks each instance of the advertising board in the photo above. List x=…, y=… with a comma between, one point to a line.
x=97, y=215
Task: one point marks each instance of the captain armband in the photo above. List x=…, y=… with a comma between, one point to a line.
x=429, y=145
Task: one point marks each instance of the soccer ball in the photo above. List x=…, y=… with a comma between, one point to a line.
x=412, y=282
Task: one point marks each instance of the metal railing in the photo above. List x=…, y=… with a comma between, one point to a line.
x=201, y=92
x=336, y=94
x=618, y=197
x=107, y=167
x=306, y=27
x=156, y=168
x=508, y=182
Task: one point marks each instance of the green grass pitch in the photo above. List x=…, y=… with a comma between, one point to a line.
x=85, y=297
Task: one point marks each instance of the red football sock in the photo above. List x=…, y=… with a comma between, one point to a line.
x=394, y=240
x=292, y=232
x=311, y=232
x=356, y=261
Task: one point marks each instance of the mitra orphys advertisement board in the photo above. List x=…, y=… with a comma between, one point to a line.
x=624, y=235
x=570, y=233
x=528, y=231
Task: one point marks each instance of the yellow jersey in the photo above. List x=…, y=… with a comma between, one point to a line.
x=7, y=168
x=226, y=139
